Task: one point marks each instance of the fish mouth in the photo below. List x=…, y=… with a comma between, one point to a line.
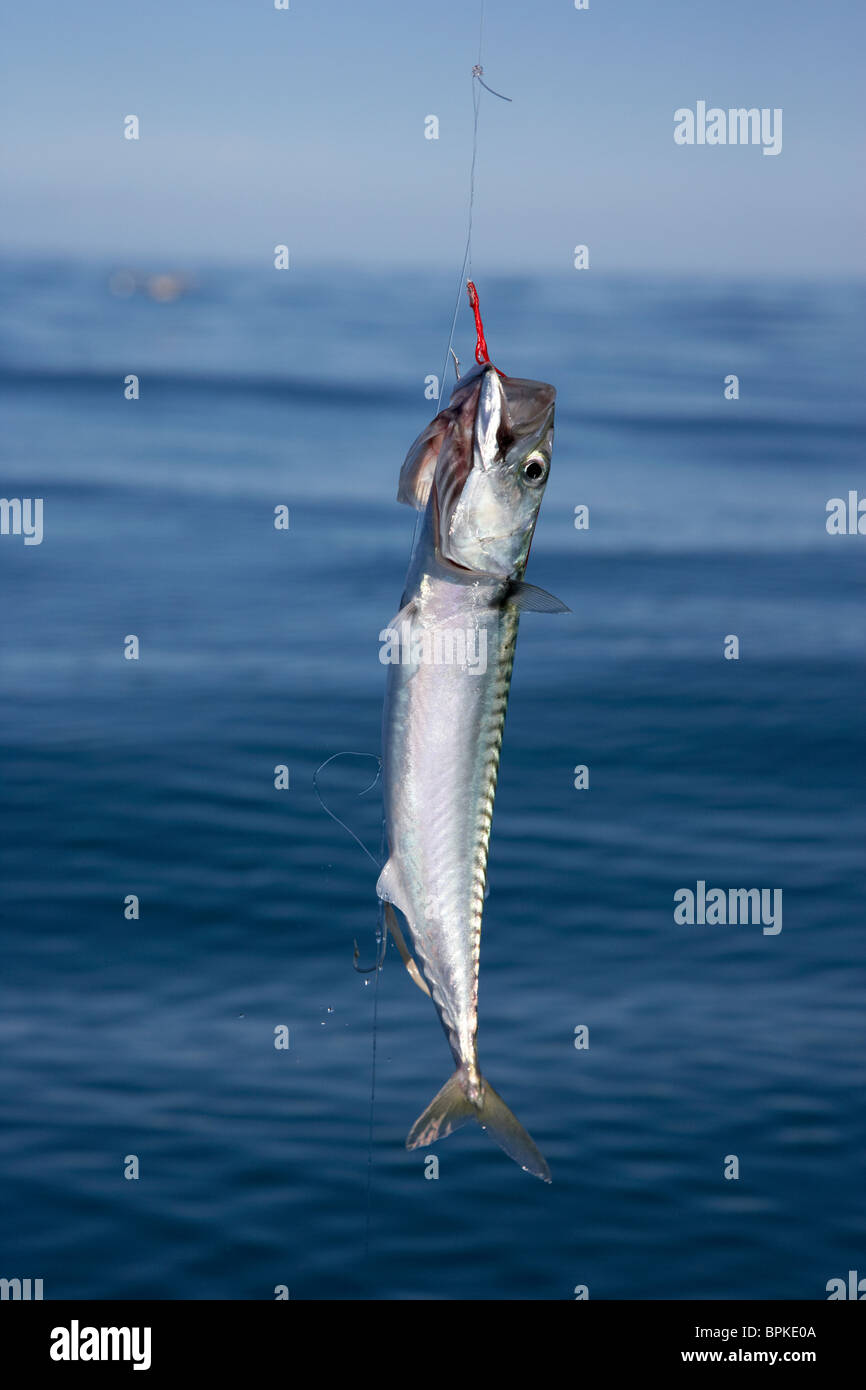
x=523, y=405
x=512, y=415
x=496, y=421
x=486, y=409
x=529, y=406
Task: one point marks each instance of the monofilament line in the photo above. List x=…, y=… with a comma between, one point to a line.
x=477, y=82
x=369, y=1196
x=476, y=101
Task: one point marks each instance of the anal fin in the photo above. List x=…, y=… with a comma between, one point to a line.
x=390, y=891
x=400, y=942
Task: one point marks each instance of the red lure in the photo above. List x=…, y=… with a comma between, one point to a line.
x=481, y=353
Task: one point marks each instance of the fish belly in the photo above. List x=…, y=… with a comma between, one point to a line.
x=442, y=737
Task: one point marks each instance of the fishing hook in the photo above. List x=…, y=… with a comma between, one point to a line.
x=380, y=959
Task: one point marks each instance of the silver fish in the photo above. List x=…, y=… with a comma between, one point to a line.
x=478, y=472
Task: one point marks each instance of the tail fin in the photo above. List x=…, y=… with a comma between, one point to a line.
x=452, y=1107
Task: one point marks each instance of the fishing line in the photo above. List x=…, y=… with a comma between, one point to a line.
x=328, y=812
x=477, y=81
x=476, y=105
x=349, y=753
x=380, y=934
x=381, y=941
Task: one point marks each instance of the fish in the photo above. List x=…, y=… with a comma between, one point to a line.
x=478, y=473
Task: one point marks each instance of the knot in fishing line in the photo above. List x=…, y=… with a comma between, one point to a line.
x=478, y=73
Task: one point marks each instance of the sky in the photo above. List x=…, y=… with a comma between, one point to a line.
x=305, y=127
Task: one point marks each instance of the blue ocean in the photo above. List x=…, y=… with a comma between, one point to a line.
x=153, y=1036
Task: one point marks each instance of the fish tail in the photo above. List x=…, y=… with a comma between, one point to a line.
x=452, y=1107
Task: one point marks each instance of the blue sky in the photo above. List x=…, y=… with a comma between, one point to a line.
x=307, y=127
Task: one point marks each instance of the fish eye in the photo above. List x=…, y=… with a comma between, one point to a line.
x=534, y=470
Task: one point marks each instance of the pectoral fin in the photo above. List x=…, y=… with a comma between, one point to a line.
x=528, y=598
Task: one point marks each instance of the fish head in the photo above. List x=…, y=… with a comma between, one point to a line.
x=481, y=467
x=492, y=470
